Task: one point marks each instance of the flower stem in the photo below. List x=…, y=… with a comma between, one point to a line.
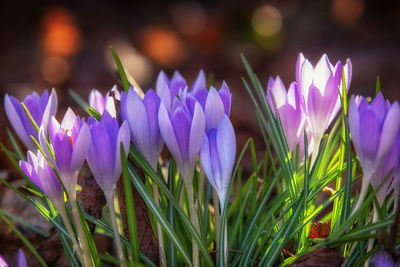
x=163, y=259
x=194, y=219
x=217, y=217
x=225, y=226
x=67, y=224
x=81, y=234
x=110, y=203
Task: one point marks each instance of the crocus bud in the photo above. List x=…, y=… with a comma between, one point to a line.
x=320, y=87
x=70, y=142
x=104, y=155
x=374, y=127
x=40, y=107
x=102, y=103
x=38, y=170
x=182, y=131
x=289, y=109
x=217, y=156
x=142, y=116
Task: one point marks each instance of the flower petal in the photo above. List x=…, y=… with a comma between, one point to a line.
x=81, y=147
x=168, y=134
x=389, y=130
x=199, y=83
x=50, y=110
x=214, y=109
x=226, y=142
x=196, y=133
x=124, y=138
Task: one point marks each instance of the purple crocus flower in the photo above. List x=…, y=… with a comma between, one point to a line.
x=182, y=130
x=70, y=142
x=38, y=170
x=40, y=107
x=142, y=116
x=320, y=87
x=289, y=108
x=217, y=156
x=373, y=128
x=102, y=103
x=104, y=155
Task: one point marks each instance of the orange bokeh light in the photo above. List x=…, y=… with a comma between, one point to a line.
x=61, y=36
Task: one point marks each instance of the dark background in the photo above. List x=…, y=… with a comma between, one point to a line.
x=46, y=44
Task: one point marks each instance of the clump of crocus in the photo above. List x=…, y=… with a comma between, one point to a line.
x=41, y=109
x=102, y=103
x=289, y=106
x=374, y=127
x=142, y=117
x=320, y=87
x=38, y=170
x=104, y=160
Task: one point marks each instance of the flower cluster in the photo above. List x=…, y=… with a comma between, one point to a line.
x=190, y=122
x=311, y=102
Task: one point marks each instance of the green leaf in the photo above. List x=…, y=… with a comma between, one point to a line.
x=121, y=70
x=130, y=207
x=23, y=239
x=153, y=207
x=378, y=85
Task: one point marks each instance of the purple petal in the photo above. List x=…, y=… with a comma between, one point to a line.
x=196, y=133
x=97, y=101
x=205, y=160
x=168, y=134
x=226, y=97
x=162, y=81
x=291, y=120
x=389, y=129
x=123, y=114
x=201, y=96
x=278, y=91
x=215, y=162
x=369, y=135
x=317, y=110
x=69, y=119
x=299, y=65
x=14, y=113
x=138, y=122
x=81, y=147
x=112, y=127
x=214, y=110
x=199, y=83
x=21, y=259
x=354, y=124
x=100, y=157
x=181, y=124
x=378, y=105
x=124, y=138
x=177, y=83
x=63, y=151
x=322, y=72
x=30, y=172
x=306, y=78
x=50, y=109
x=226, y=150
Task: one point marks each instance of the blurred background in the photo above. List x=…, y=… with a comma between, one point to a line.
x=64, y=45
